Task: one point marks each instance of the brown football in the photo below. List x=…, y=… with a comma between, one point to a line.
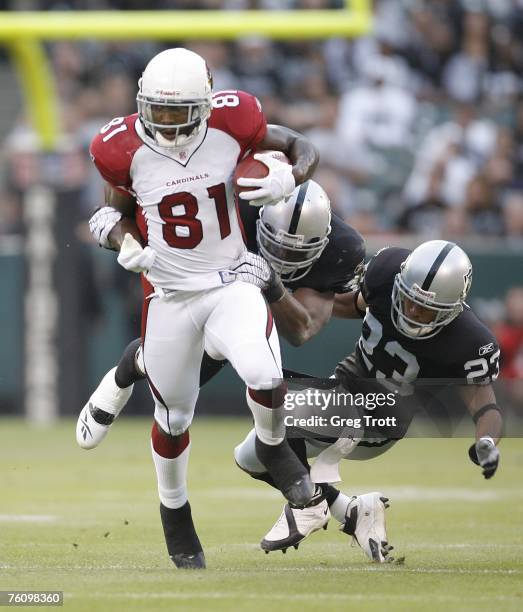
x=252, y=168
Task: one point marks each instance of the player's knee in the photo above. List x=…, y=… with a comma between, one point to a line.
x=259, y=375
x=179, y=423
x=174, y=421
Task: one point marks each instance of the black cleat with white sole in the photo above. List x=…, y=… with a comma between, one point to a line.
x=183, y=544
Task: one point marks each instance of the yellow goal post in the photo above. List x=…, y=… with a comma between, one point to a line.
x=24, y=31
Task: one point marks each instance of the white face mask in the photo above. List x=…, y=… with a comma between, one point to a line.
x=412, y=328
x=197, y=113
x=179, y=141
x=413, y=331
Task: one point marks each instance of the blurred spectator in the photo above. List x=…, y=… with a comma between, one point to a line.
x=378, y=113
x=11, y=222
x=480, y=205
x=464, y=73
x=518, y=144
x=256, y=65
x=434, y=31
x=217, y=54
x=513, y=216
x=335, y=152
x=509, y=334
x=419, y=124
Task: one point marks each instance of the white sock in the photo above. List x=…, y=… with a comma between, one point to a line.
x=172, y=478
x=268, y=422
x=339, y=507
x=245, y=455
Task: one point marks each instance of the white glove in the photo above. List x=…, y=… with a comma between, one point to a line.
x=135, y=258
x=276, y=186
x=102, y=222
x=252, y=269
x=488, y=456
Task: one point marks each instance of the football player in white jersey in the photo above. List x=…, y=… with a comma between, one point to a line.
x=317, y=255
x=171, y=213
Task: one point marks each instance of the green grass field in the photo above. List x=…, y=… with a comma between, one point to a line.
x=87, y=523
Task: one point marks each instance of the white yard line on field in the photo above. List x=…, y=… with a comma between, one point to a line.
x=28, y=518
x=382, y=569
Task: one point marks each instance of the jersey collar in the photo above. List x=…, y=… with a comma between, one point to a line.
x=181, y=155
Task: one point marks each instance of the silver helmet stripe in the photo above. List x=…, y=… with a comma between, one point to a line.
x=436, y=265
x=295, y=219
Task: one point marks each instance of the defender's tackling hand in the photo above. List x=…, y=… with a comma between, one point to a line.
x=485, y=454
x=253, y=269
x=277, y=185
x=135, y=258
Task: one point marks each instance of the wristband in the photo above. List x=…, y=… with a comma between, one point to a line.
x=275, y=291
x=477, y=415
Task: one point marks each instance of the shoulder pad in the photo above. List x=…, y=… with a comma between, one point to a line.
x=477, y=351
x=240, y=115
x=113, y=148
x=380, y=272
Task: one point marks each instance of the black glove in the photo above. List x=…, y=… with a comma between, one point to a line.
x=485, y=454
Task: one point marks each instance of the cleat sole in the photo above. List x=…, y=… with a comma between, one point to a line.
x=189, y=561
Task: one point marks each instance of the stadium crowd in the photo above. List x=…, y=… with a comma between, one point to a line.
x=419, y=125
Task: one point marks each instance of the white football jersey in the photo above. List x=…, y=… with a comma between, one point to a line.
x=186, y=208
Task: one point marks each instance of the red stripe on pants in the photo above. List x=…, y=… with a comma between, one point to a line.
x=167, y=446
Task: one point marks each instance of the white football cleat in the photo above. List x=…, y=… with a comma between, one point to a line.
x=104, y=405
x=365, y=521
x=295, y=524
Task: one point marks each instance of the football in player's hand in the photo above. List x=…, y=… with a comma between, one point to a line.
x=252, y=168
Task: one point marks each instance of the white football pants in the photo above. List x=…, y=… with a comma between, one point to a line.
x=246, y=458
x=233, y=321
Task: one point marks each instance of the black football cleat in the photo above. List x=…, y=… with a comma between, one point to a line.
x=289, y=474
x=183, y=544
x=185, y=561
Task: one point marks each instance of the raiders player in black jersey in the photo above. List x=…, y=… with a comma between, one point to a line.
x=416, y=324
x=312, y=254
